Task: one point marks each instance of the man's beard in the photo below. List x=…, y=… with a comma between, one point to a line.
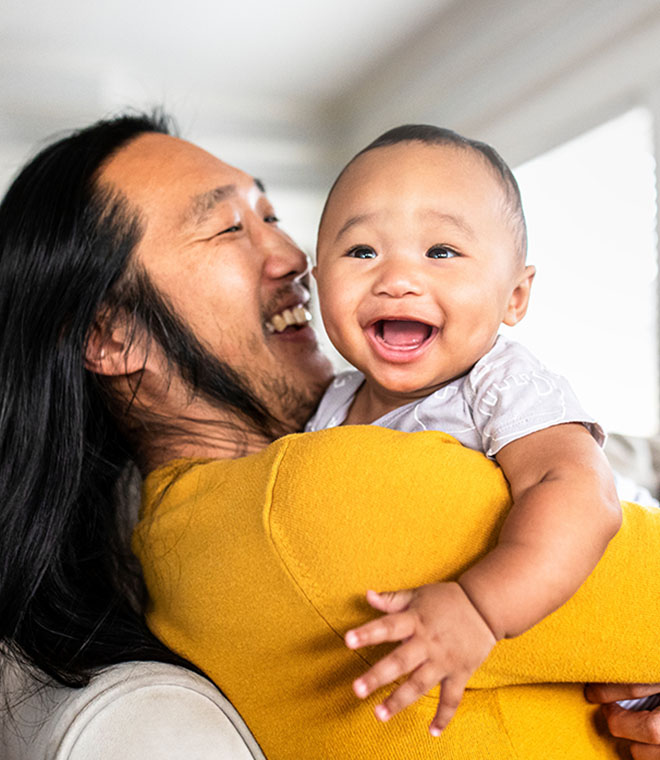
x=212, y=379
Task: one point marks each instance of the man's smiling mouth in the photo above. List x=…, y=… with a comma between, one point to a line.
x=295, y=318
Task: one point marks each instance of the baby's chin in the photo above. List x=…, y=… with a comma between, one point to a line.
x=405, y=388
x=407, y=383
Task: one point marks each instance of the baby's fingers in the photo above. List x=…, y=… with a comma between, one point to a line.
x=422, y=680
x=390, y=601
x=387, y=628
x=402, y=660
x=451, y=693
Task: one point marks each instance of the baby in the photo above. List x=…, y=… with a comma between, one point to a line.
x=421, y=258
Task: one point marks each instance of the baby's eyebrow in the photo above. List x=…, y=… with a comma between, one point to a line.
x=457, y=221
x=352, y=221
x=441, y=216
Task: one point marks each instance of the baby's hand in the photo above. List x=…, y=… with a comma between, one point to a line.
x=444, y=637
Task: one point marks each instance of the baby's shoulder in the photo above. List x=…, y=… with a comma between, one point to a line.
x=336, y=400
x=348, y=381
x=506, y=359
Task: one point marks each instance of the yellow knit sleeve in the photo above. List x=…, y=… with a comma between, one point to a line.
x=256, y=567
x=391, y=510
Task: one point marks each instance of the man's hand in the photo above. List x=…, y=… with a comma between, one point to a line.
x=641, y=728
x=444, y=637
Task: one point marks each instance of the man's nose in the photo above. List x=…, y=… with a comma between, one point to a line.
x=398, y=278
x=283, y=258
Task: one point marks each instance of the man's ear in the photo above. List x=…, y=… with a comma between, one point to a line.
x=519, y=301
x=115, y=350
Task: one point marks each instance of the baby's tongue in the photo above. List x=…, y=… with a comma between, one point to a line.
x=398, y=332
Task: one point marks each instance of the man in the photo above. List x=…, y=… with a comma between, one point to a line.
x=166, y=270
x=213, y=251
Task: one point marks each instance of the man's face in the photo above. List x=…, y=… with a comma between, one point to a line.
x=417, y=266
x=213, y=249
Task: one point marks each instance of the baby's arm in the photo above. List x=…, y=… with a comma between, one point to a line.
x=565, y=511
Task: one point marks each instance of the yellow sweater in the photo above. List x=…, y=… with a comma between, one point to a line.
x=257, y=566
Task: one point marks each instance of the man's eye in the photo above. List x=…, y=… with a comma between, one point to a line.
x=441, y=252
x=361, y=252
x=271, y=219
x=233, y=228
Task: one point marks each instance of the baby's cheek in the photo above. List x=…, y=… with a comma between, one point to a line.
x=334, y=300
x=338, y=333
x=345, y=336
x=325, y=288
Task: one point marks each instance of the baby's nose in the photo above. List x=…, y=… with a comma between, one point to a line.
x=398, y=279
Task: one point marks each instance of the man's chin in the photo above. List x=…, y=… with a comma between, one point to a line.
x=302, y=359
x=296, y=391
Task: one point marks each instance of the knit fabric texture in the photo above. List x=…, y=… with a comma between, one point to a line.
x=257, y=566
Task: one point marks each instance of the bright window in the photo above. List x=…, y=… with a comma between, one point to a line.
x=590, y=207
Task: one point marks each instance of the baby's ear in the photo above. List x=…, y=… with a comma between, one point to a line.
x=519, y=300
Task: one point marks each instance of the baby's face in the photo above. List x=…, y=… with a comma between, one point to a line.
x=417, y=266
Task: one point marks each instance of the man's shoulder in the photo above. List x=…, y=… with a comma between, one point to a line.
x=182, y=482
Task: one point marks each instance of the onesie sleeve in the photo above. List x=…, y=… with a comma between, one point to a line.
x=512, y=394
x=336, y=401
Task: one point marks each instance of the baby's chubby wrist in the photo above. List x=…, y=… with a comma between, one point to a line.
x=494, y=629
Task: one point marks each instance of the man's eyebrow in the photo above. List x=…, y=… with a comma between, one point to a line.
x=202, y=204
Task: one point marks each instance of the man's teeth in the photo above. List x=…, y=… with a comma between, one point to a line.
x=296, y=316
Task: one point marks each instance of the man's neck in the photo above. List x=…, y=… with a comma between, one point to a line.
x=190, y=438
x=166, y=424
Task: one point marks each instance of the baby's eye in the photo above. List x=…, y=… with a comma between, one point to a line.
x=441, y=252
x=271, y=219
x=362, y=252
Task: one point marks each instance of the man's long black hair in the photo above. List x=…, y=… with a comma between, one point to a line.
x=71, y=596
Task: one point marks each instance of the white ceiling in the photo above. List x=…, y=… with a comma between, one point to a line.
x=259, y=82
x=284, y=48
x=288, y=89
x=266, y=59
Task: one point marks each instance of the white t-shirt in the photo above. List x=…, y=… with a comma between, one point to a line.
x=506, y=395
x=131, y=711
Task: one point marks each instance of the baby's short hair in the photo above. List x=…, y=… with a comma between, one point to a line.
x=431, y=135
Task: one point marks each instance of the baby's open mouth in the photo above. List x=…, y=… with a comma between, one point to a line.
x=402, y=334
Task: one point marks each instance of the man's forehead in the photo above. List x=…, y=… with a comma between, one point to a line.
x=161, y=174
x=157, y=162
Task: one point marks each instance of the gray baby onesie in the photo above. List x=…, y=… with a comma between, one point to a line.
x=506, y=395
